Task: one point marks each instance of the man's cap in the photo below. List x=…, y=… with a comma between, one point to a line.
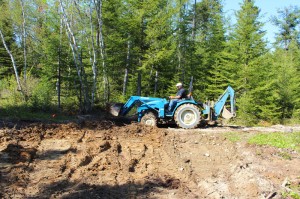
x=179, y=84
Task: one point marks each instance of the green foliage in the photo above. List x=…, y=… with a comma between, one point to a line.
x=70, y=105
x=251, y=68
x=9, y=95
x=7, y=29
x=287, y=83
x=246, y=113
x=23, y=112
x=293, y=195
x=288, y=23
x=212, y=48
x=41, y=97
x=164, y=41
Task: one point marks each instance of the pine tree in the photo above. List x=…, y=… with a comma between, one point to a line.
x=6, y=27
x=158, y=63
x=287, y=81
x=248, y=47
x=286, y=63
x=288, y=22
x=213, y=54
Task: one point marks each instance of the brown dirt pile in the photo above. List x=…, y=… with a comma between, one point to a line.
x=102, y=160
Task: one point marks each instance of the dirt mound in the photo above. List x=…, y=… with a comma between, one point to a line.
x=94, y=159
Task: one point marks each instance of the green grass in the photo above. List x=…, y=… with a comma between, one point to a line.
x=276, y=139
x=291, y=194
x=233, y=136
x=25, y=113
x=279, y=140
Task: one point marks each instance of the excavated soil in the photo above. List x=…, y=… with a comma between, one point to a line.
x=99, y=159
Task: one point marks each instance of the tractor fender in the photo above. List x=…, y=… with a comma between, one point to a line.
x=181, y=102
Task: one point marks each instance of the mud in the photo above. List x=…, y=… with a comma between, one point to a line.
x=99, y=159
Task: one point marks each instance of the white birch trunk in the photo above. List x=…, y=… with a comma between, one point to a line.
x=24, y=40
x=98, y=5
x=72, y=41
x=13, y=62
x=94, y=59
x=125, y=82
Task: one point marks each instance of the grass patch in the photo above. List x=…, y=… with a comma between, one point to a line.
x=285, y=155
x=291, y=194
x=25, y=113
x=279, y=140
x=233, y=136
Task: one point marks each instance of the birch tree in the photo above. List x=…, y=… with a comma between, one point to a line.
x=94, y=54
x=12, y=60
x=77, y=58
x=24, y=39
x=100, y=42
x=125, y=81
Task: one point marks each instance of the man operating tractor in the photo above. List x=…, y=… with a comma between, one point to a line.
x=181, y=93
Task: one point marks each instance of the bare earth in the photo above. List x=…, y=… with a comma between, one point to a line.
x=99, y=159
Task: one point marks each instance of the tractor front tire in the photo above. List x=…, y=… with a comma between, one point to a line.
x=149, y=119
x=187, y=116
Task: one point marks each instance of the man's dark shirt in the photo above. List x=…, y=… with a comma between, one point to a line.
x=181, y=93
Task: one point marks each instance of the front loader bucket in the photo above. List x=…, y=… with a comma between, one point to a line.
x=226, y=113
x=114, y=108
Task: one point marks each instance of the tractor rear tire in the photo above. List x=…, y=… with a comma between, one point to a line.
x=187, y=116
x=149, y=119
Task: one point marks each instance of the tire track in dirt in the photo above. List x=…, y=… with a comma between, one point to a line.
x=102, y=160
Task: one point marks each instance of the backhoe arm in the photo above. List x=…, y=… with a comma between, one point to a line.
x=219, y=105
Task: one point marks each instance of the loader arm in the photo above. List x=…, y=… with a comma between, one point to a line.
x=144, y=104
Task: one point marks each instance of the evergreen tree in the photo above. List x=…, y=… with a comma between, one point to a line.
x=213, y=47
x=287, y=81
x=248, y=47
x=159, y=61
x=288, y=22
x=286, y=63
x=7, y=29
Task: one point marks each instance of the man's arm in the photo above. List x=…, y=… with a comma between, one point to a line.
x=179, y=94
x=175, y=97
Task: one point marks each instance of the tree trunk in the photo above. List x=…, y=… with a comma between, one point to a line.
x=13, y=62
x=24, y=40
x=181, y=36
x=194, y=22
x=139, y=84
x=58, y=83
x=125, y=82
x=155, y=83
x=94, y=57
x=98, y=5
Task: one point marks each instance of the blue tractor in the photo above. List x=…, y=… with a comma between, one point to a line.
x=187, y=114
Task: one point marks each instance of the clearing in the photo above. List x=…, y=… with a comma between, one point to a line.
x=104, y=159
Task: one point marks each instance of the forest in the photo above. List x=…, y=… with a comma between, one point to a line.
x=74, y=56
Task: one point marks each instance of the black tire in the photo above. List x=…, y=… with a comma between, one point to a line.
x=149, y=119
x=187, y=116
